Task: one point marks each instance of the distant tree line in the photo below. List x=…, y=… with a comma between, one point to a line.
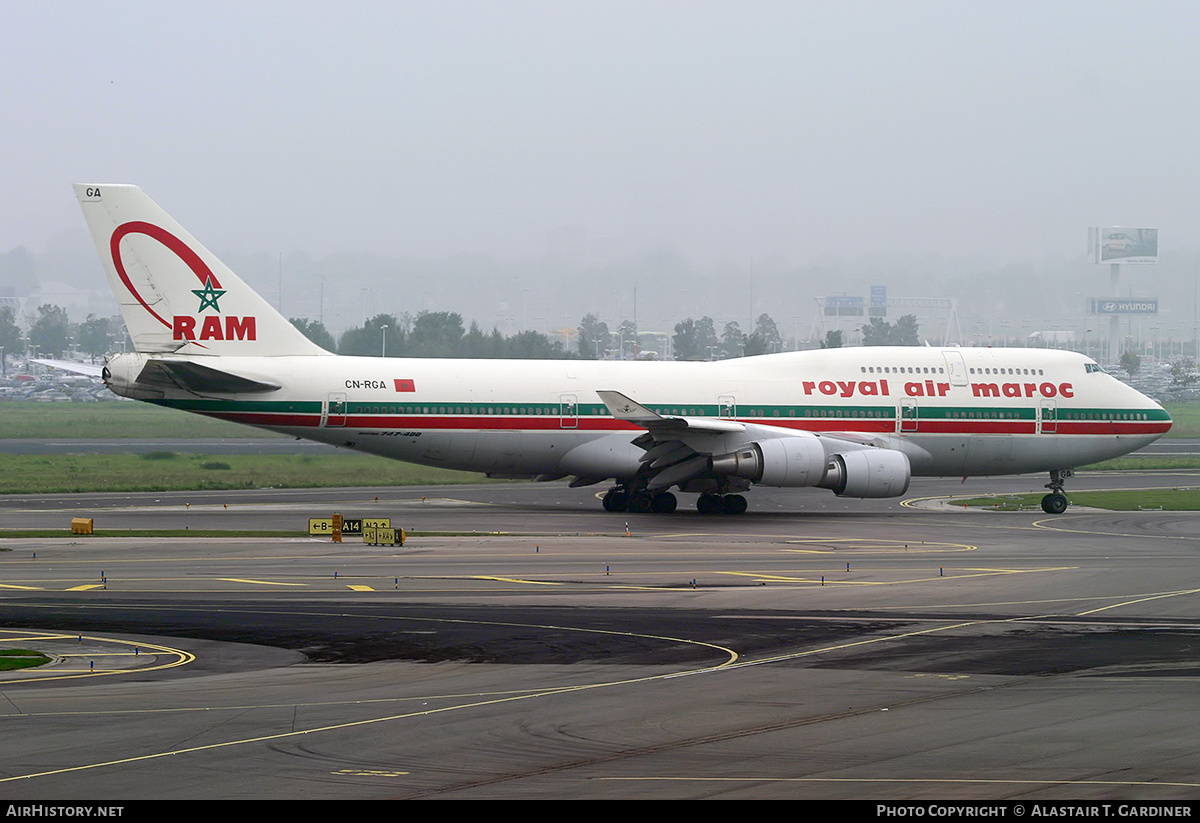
x=879, y=332
x=432, y=334
x=442, y=334
x=697, y=339
x=52, y=334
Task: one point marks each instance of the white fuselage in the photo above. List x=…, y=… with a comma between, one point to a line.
x=953, y=412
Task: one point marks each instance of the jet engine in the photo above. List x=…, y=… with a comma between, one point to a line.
x=784, y=461
x=868, y=473
x=801, y=461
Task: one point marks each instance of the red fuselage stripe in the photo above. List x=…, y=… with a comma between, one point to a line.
x=500, y=423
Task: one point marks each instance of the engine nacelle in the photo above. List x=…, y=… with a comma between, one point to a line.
x=868, y=473
x=801, y=461
x=784, y=461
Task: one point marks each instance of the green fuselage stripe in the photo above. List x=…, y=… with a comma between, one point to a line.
x=742, y=411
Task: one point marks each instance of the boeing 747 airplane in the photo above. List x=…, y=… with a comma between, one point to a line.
x=858, y=421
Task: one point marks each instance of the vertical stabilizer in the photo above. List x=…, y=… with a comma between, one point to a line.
x=175, y=295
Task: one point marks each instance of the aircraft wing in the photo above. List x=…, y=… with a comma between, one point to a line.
x=857, y=438
x=623, y=408
x=185, y=374
x=201, y=379
x=677, y=448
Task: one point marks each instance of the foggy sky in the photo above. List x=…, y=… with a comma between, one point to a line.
x=721, y=133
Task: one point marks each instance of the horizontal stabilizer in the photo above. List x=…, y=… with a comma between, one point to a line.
x=203, y=379
x=71, y=366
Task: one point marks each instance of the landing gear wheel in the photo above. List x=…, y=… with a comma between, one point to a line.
x=709, y=504
x=733, y=504
x=641, y=503
x=664, y=503
x=1054, y=503
x=616, y=500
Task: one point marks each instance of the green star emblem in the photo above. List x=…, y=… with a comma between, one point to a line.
x=208, y=296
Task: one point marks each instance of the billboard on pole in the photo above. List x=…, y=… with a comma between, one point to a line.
x=878, y=307
x=1121, y=245
x=1124, y=305
x=843, y=306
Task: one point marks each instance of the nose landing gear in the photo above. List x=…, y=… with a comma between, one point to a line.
x=1056, y=502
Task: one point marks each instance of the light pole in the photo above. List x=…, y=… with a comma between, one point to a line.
x=383, y=341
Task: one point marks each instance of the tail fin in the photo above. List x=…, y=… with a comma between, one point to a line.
x=175, y=295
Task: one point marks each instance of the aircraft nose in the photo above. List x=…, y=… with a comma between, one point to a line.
x=1157, y=414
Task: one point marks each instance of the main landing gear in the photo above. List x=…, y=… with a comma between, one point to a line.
x=721, y=504
x=622, y=499
x=1056, y=502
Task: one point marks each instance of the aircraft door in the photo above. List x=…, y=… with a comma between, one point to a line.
x=1048, y=421
x=334, y=411
x=956, y=367
x=908, y=415
x=727, y=407
x=568, y=411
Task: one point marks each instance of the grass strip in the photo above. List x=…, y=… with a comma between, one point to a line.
x=24, y=419
x=12, y=659
x=173, y=533
x=1185, y=419
x=169, y=471
x=1147, y=462
x=1175, y=500
x=18, y=534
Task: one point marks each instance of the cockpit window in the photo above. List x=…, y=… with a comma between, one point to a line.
x=1093, y=367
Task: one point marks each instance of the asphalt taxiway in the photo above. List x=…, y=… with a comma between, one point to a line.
x=539, y=647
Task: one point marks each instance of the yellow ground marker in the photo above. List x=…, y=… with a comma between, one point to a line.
x=259, y=582
x=515, y=580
